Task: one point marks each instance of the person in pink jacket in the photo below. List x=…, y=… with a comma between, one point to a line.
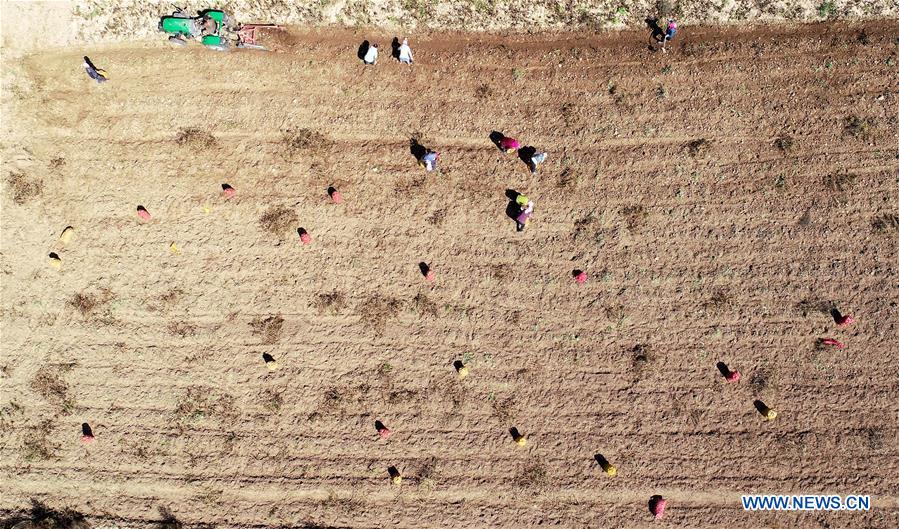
x=524, y=215
x=670, y=31
x=509, y=145
x=503, y=142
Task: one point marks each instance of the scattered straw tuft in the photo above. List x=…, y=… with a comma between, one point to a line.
x=423, y=306
x=195, y=137
x=861, y=128
x=49, y=384
x=331, y=302
x=268, y=328
x=838, y=182
x=278, y=220
x=23, y=188
x=699, y=147
x=295, y=141
x=375, y=311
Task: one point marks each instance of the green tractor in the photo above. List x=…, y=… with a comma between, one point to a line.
x=213, y=28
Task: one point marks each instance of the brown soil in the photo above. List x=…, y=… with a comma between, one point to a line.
x=707, y=237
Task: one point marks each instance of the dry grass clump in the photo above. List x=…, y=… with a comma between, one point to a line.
x=375, y=311
x=784, y=143
x=885, y=223
x=88, y=303
x=278, y=220
x=861, y=128
x=498, y=272
x=332, y=401
x=635, y=216
x=438, y=217
x=36, y=445
x=272, y=400
x=682, y=408
x=269, y=329
x=295, y=141
x=838, y=182
x=699, y=147
x=199, y=403
x=331, y=302
x=567, y=180
x=586, y=227
x=181, y=328
x=403, y=396
x=423, y=306
x=719, y=299
x=23, y=188
x=11, y=413
x=503, y=409
x=533, y=476
x=49, y=384
x=762, y=379
x=666, y=8
x=863, y=38
x=615, y=312
x=171, y=297
x=342, y=400
x=875, y=437
x=340, y=506
x=443, y=395
x=411, y=184
x=808, y=306
x=427, y=472
x=166, y=301
x=195, y=137
x=84, y=303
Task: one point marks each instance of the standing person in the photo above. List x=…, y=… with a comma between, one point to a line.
x=371, y=56
x=405, y=52
x=527, y=208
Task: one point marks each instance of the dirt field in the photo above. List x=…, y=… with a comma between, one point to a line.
x=723, y=198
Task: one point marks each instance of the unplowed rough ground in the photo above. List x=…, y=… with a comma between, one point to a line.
x=722, y=198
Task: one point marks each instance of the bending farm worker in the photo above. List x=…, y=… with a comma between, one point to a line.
x=671, y=29
x=669, y=33
x=405, y=52
x=371, y=56
x=527, y=208
x=535, y=160
x=93, y=72
x=508, y=144
x=429, y=160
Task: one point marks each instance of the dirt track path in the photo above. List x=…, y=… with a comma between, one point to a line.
x=725, y=250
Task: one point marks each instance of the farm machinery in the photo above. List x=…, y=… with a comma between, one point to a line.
x=213, y=28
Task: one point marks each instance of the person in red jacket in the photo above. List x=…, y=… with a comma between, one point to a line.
x=508, y=144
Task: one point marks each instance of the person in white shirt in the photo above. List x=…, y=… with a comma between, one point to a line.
x=405, y=52
x=371, y=56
